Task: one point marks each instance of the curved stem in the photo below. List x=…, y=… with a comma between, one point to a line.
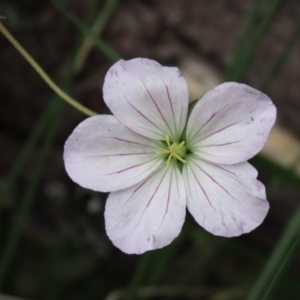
x=42, y=73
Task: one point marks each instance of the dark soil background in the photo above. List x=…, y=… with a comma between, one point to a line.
x=167, y=31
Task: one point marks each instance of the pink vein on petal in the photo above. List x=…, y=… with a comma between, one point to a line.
x=220, y=145
x=210, y=118
x=139, y=112
x=127, y=141
x=216, y=182
x=230, y=172
x=220, y=130
x=203, y=191
x=177, y=182
x=169, y=193
x=219, y=167
x=198, y=148
x=188, y=180
x=119, y=154
x=147, y=129
x=181, y=116
x=171, y=103
x=232, y=124
x=132, y=167
x=151, y=199
x=140, y=186
x=157, y=107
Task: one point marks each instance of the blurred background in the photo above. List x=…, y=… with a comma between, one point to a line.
x=53, y=243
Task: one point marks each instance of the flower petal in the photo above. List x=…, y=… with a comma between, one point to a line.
x=148, y=98
x=103, y=155
x=230, y=124
x=148, y=215
x=225, y=200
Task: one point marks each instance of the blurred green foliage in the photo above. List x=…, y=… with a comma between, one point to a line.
x=203, y=270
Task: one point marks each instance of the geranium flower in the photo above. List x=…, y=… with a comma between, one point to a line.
x=156, y=161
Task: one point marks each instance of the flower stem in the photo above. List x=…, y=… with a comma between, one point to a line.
x=42, y=73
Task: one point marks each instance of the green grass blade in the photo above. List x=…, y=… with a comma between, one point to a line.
x=161, y=259
x=287, y=246
x=244, y=40
x=281, y=59
x=30, y=143
x=54, y=115
x=97, y=28
x=281, y=256
x=153, y=264
x=26, y=150
x=138, y=276
x=289, y=256
x=285, y=174
x=109, y=51
x=10, y=247
x=247, y=56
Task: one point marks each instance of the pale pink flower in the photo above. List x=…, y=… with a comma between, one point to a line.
x=156, y=161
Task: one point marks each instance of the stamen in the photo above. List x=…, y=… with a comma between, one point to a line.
x=172, y=150
x=168, y=141
x=168, y=161
x=179, y=158
x=162, y=151
x=181, y=145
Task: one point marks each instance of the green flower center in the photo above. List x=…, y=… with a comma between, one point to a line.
x=173, y=150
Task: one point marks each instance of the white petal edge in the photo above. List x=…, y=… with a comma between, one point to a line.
x=103, y=155
x=148, y=215
x=225, y=200
x=230, y=123
x=146, y=97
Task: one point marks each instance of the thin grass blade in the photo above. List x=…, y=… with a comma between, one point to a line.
x=109, y=51
x=54, y=115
